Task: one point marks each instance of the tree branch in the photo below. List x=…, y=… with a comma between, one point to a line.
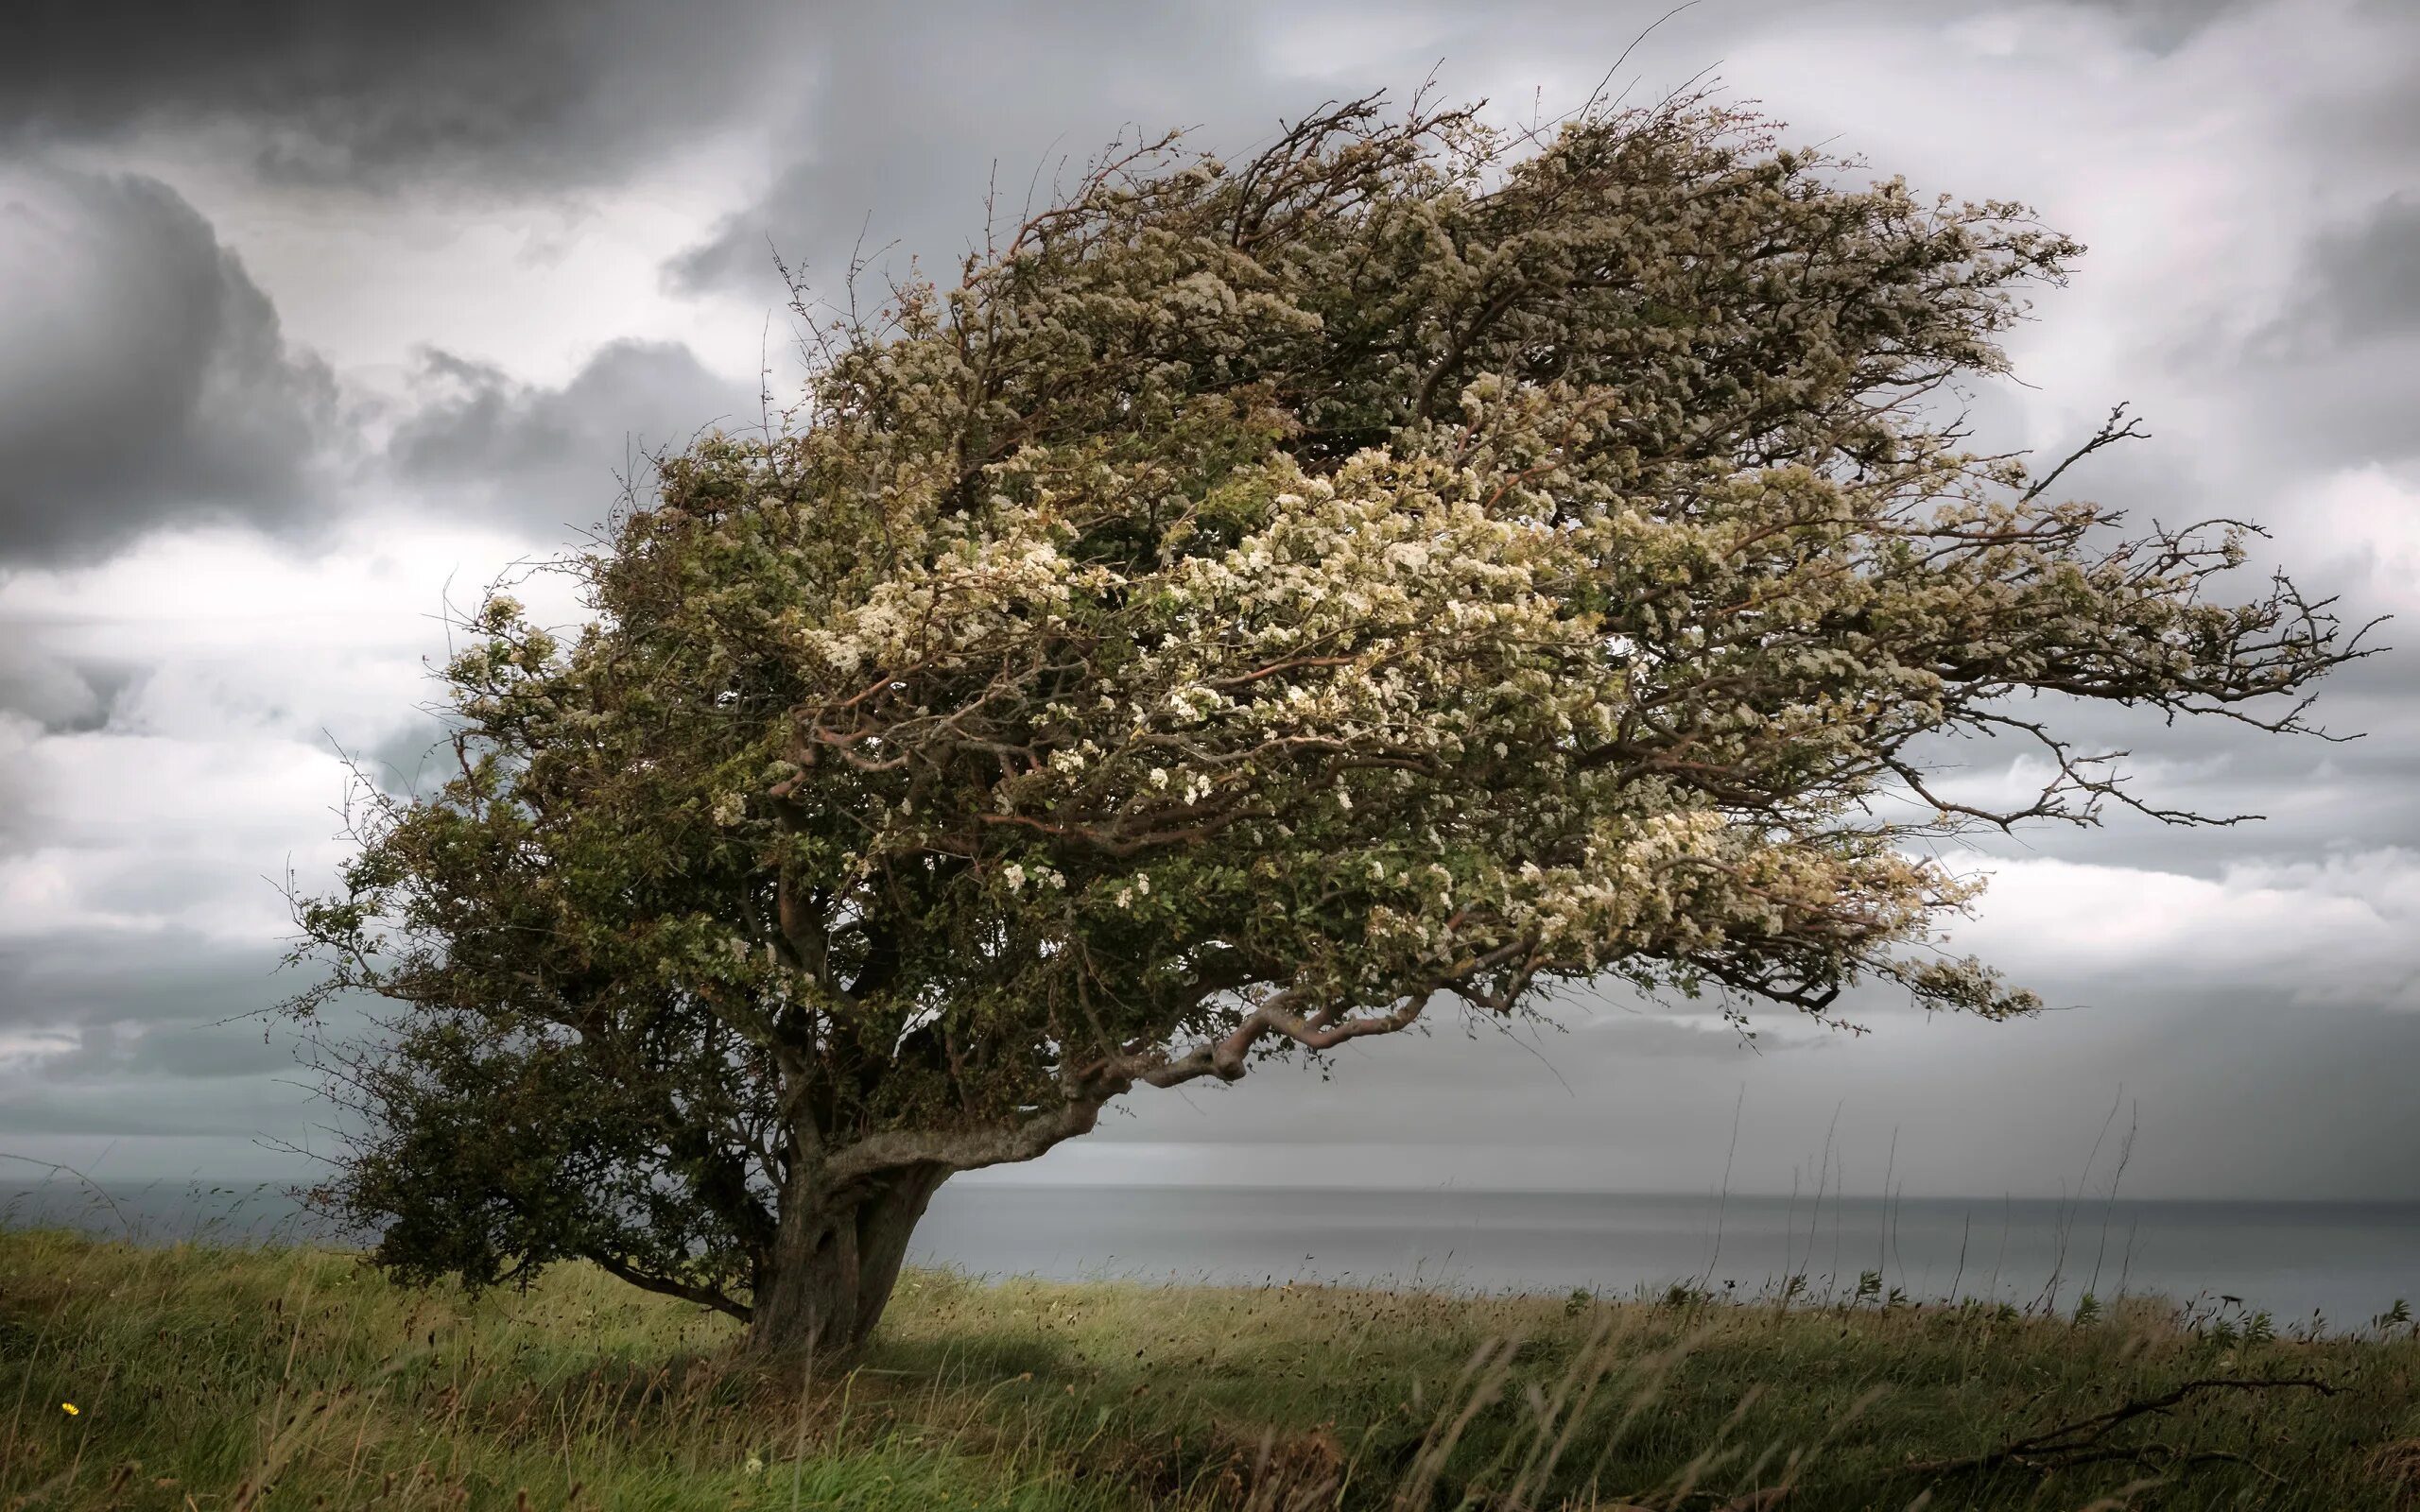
x=971, y=1149
x=2081, y=1441
x=703, y=1295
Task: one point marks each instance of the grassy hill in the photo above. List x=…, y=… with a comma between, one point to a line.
x=216, y=1378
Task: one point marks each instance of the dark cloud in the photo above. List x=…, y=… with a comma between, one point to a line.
x=146, y=1032
x=414, y=758
x=550, y=93
x=112, y=983
x=2369, y=275
x=138, y=1106
x=2362, y=283
x=45, y=689
x=208, y=1051
x=553, y=459
x=143, y=376
x=2165, y=26
x=2370, y=117
x=2332, y=407
x=2330, y=375
x=364, y=91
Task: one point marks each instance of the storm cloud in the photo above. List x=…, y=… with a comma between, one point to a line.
x=559, y=459
x=366, y=93
x=143, y=375
x=2366, y=277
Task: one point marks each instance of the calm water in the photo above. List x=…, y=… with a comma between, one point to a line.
x=2346, y=1261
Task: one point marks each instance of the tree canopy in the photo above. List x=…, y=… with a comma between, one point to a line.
x=1257, y=605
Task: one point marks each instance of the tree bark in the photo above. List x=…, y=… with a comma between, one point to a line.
x=834, y=1262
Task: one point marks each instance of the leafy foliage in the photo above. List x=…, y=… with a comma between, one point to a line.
x=1255, y=605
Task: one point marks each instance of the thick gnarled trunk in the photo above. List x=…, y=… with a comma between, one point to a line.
x=835, y=1263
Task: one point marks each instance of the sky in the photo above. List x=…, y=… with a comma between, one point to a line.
x=316, y=316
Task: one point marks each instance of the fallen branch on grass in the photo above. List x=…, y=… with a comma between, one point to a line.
x=2086, y=1440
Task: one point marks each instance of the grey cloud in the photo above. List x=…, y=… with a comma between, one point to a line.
x=2334, y=366
x=909, y=112
x=555, y=92
x=2334, y=408
x=111, y=983
x=206, y=1050
x=2361, y=288
x=2367, y=277
x=235, y=1105
x=46, y=689
x=143, y=375
x=2227, y=1083
x=2329, y=378
x=414, y=757
x=2372, y=119
x=166, y=1039
x=2164, y=26
x=2313, y=794
x=913, y=119
x=363, y=91
x=1666, y=1039
x=553, y=458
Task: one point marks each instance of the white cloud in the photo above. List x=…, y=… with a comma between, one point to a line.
x=2343, y=928
x=2364, y=525
x=139, y=832
x=382, y=585
x=2180, y=172
x=536, y=281
x=218, y=764
x=20, y=1047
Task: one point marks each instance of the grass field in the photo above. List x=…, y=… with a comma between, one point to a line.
x=220, y=1377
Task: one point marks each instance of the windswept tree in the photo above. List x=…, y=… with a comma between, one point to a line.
x=1259, y=607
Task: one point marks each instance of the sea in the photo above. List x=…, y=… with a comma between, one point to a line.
x=2315, y=1267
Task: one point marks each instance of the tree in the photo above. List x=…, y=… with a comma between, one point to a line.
x=1257, y=608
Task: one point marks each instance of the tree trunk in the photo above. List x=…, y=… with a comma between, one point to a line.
x=833, y=1266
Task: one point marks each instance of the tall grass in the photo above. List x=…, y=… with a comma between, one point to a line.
x=227, y=1377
